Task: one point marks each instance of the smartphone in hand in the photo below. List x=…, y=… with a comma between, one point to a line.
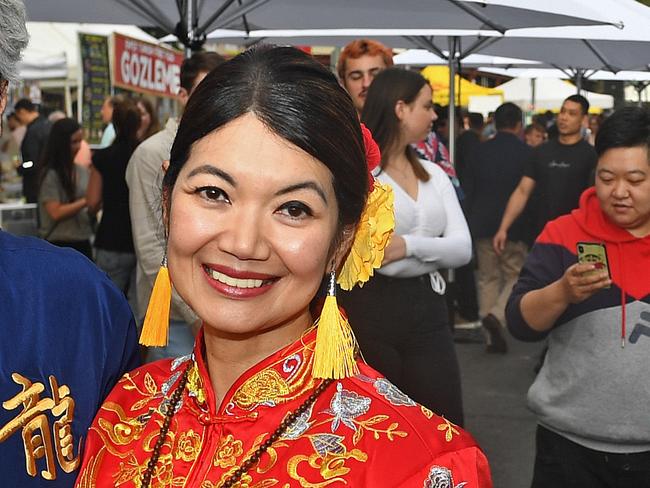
x=594, y=253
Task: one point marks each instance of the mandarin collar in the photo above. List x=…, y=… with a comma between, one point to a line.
x=282, y=377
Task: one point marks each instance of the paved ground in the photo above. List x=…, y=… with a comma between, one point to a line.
x=494, y=391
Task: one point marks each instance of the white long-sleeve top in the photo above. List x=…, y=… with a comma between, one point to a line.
x=433, y=227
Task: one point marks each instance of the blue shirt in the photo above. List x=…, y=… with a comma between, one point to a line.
x=67, y=335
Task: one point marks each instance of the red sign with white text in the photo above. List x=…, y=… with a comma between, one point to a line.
x=146, y=68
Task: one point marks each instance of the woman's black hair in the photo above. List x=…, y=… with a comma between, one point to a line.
x=296, y=98
x=58, y=156
x=627, y=127
x=126, y=120
x=389, y=87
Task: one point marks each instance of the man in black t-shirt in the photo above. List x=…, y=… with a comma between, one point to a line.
x=556, y=175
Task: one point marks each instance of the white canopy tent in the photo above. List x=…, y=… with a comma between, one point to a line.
x=52, y=55
x=53, y=49
x=636, y=90
x=549, y=94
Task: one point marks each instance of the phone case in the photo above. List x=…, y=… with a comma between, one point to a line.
x=594, y=253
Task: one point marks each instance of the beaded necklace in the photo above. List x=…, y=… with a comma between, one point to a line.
x=252, y=459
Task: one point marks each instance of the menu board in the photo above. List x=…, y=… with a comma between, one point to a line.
x=95, y=84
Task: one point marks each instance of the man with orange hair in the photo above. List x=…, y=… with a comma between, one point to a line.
x=359, y=63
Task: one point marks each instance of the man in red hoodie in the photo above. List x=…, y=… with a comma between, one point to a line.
x=592, y=396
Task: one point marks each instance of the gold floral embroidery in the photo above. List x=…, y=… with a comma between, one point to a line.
x=330, y=467
x=228, y=452
x=129, y=471
x=366, y=425
x=427, y=413
x=163, y=474
x=245, y=482
x=271, y=453
x=335, y=433
x=88, y=477
x=125, y=431
x=449, y=428
x=150, y=392
x=195, y=384
x=189, y=446
x=265, y=386
x=283, y=381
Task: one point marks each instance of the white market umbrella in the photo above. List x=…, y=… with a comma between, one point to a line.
x=582, y=48
x=594, y=75
x=549, y=94
x=191, y=20
x=422, y=57
x=397, y=27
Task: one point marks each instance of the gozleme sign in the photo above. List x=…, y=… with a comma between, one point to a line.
x=144, y=67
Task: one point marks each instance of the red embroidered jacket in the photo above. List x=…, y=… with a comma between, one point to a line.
x=361, y=432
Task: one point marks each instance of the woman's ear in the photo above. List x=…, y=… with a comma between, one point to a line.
x=400, y=108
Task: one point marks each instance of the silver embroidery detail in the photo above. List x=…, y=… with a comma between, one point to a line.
x=391, y=393
x=346, y=406
x=291, y=365
x=440, y=477
x=327, y=444
x=365, y=378
x=166, y=386
x=180, y=360
x=299, y=426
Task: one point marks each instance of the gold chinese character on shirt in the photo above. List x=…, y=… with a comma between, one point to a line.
x=39, y=441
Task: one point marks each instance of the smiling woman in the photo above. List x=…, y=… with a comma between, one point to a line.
x=266, y=190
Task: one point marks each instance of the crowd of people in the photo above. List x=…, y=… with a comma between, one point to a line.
x=297, y=250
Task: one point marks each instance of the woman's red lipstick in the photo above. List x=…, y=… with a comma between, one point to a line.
x=234, y=283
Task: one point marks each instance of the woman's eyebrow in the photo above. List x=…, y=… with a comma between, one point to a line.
x=214, y=171
x=306, y=185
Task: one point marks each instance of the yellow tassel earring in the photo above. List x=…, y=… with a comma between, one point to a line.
x=155, y=331
x=335, y=343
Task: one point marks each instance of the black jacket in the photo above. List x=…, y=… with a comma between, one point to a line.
x=491, y=177
x=32, y=150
